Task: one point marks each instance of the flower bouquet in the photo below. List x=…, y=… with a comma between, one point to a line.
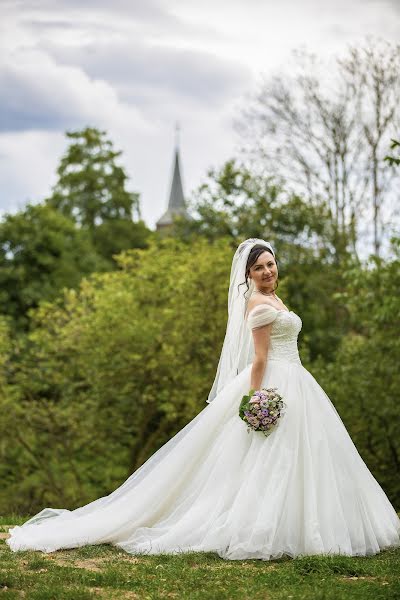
x=261, y=410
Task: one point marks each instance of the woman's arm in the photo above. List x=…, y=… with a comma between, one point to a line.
x=261, y=337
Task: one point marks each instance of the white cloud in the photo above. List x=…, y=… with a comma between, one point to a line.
x=27, y=167
x=134, y=68
x=140, y=73
x=37, y=93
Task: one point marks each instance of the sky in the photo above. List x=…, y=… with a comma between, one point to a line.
x=136, y=67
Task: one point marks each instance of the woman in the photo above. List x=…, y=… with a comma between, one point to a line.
x=214, y=486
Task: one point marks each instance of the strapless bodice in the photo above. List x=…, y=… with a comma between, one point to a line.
x=286, y=327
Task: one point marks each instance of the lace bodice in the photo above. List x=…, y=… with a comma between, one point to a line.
x=286, y=327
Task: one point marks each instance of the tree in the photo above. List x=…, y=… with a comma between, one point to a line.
x=110, y=372
x=9, y=452
x=393, y=160
x=91, y=186
x=372, y=74
x=364, y=380
x=324, y=129
x=237, y=203
x=41, y=251
x=116, y=235
x=91, y=190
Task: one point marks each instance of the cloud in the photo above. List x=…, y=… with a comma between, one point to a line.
x=37, y=93
x=140, y=71
x=133, y=73
x=154, y=19
x=28, y=162
x=148, y=9
x=76, y=65
x=133, y=67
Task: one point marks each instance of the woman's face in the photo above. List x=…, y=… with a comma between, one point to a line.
x=264, y=272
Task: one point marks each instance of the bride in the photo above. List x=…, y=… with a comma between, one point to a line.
x=216, y=487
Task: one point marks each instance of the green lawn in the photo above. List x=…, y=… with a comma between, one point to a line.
x=105, y=572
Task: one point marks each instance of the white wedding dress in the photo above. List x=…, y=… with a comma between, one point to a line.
x=217, y=487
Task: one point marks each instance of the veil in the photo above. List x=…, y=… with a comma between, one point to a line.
x=237, y=350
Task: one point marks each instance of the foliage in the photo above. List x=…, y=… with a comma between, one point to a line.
x=115, y=235
x=364, y=379
x=4, y=350
x=393, y=160
x=237, y=203
x=41, y=251
x=111, y=372
x=91, y=185
x=78, y=230
x=310, y=284
x=91, y=190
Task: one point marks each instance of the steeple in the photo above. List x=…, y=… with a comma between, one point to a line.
x=176, y=202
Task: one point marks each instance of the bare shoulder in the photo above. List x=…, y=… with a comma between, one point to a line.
x=256, y=301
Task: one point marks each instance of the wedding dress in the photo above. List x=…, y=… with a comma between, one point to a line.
x=217, y=487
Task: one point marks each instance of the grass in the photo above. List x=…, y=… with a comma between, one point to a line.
x=107, y=572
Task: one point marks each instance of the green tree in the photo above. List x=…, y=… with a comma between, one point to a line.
x=91, y=190
x=4, y=354
x=234, y=202
x=116, y=235
x=41, y=251
x=112, y=371
x=91, y=185
x=364, y=379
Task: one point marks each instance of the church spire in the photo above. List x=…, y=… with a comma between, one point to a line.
x=176, y=197
x=176, y=202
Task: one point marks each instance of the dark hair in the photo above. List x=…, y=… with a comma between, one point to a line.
x=254, y=253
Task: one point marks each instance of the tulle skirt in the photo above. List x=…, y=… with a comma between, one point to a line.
x=217, y=487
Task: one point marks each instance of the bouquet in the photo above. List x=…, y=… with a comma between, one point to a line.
x=261, y=410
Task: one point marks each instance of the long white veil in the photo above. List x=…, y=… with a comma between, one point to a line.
x=237, y=350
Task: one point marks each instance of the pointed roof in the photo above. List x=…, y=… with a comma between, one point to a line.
x=176, y=197
x=176, y=202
